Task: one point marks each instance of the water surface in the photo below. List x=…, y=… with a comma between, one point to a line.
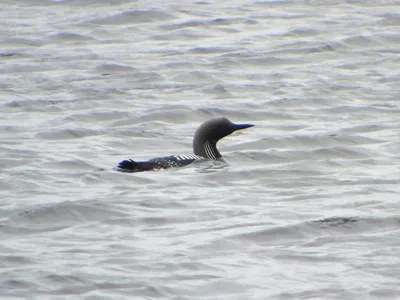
x=308, y=208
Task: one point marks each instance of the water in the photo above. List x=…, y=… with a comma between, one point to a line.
x=308, y=208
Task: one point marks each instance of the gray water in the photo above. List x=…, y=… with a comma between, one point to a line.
x=307, y=209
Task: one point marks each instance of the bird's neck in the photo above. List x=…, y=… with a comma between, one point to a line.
x=207, y=149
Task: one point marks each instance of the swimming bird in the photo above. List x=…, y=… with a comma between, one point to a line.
x=204, y=148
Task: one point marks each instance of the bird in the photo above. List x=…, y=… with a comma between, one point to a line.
x=204, y=148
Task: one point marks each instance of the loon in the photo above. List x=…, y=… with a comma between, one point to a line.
x=204, y=148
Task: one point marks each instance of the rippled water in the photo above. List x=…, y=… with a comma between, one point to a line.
x=308, y=209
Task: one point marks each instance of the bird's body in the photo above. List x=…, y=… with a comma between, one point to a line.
x=172, y=161
x=204, y=148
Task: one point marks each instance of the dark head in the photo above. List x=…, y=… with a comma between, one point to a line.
x=209, y=133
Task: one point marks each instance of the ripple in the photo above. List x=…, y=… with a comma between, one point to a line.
x=58, y=216
x=63, y=134
x=362, y=41
x=113, y=68
x=135, y=17
x=68, y=37
x=181, y=34
x=389, y=19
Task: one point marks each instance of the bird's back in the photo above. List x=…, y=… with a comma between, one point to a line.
x=165, y=162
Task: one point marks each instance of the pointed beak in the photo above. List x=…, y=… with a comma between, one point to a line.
x=242, y=126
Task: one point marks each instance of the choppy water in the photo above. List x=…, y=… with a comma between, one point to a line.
x=308, y=209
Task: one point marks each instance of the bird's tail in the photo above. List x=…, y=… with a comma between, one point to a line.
x=133, y=166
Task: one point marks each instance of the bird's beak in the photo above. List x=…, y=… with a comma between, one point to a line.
x=242, y=126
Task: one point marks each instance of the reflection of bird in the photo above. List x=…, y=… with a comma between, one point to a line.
x=204, y=147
